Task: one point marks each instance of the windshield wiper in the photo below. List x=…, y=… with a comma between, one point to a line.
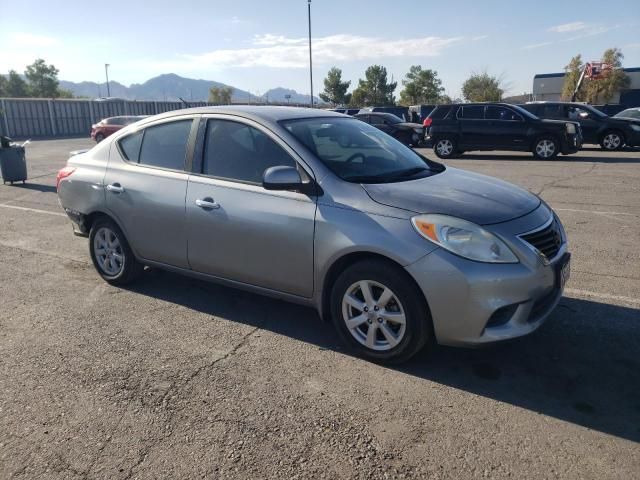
x=386, y=177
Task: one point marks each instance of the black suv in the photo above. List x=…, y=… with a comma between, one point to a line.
x=611, y=133
x=453, y=129
x=408, y=133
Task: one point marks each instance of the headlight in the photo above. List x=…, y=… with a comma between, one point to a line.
x=571, y=128
x=635, y=127
x=463, y=238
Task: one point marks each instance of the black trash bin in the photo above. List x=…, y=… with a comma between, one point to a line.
x=13, y=164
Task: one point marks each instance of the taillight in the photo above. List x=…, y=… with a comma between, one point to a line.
x=427, y=122
x=62, y=174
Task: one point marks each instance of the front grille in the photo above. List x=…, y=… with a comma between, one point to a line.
x=548, y=240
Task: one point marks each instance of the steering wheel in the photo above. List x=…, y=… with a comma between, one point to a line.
x=354, y=156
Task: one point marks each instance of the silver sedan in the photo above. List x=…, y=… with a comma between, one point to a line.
x=319, y=208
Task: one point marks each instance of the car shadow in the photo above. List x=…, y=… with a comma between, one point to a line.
x=630, y=157
x=582, y=366
x=36, y=186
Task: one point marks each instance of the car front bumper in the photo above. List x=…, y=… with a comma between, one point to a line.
x=473, y=303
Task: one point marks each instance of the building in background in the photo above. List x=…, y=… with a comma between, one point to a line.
x=548, y=86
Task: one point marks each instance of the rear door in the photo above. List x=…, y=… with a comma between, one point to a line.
x=473, y=127
x=146, y=184
x=245, y=233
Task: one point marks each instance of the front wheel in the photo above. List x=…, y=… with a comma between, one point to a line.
x=99, y=137
x=445, y=148
x=612, y=141
x=111, y=255
x=545, y=148
x=379, y=312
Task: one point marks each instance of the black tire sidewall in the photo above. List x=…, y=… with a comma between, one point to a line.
x=418, y=319
x=131, y=266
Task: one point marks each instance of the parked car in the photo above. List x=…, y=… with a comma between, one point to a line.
x=611, y=133
x=324, y=210
x=454, y=129
x=406, y=132
x=398, y=111
x=633, y=113
x=107, y=126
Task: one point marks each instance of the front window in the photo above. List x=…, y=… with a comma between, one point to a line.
x=501, y=113
x=358, y=152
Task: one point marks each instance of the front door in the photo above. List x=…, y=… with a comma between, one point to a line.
x=239, y=231
x=146, y=184
x=507, y=128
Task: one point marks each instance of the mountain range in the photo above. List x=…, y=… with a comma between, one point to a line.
x=172, y=87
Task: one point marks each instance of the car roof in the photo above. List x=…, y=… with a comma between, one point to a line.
x=270, y=114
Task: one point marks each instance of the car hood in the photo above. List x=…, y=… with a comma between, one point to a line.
x=408, y=125
x=625, y=120
x=470, y=196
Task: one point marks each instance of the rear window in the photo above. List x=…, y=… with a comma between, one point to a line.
x=472, y=112
x=440, y=112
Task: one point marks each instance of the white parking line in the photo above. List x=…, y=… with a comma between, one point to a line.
x=36, y=210
x=595, y=211
x=601, y=296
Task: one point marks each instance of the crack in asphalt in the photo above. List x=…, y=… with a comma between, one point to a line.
x=572, y=177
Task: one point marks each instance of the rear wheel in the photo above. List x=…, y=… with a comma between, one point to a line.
x=612, y=141
x=545, y=148
x=111, y=255
x=445, y=147
x=379, y=312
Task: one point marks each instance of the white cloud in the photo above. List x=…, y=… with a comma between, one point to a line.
x=479, y=37
x=25, y=39
x=278, y=51
x=536, y=45
x=569, y=27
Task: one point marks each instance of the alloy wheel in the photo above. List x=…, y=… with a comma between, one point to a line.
x=374, y=315
x=611, y=141
x=108, y=252
x=545, y=148
x=444, y=147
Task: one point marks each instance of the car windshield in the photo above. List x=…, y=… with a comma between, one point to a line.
x=593, y=110
x=629, y=113
x=358, y=152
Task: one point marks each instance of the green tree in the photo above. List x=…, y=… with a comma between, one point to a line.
x=482, y=87
x=572, y=73
x=3, y=86
x=16, y=86
x=444, y=99
x=374, y=89
x=43, y=79
x=220, y=95
x=602, y=90
x=421, y=86
x=335, y=90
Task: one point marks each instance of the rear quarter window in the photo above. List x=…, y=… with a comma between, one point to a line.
x=130, y=146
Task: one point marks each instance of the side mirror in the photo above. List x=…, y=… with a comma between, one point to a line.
x=282, y=178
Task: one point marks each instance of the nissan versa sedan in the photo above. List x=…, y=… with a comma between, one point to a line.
x=322, y=209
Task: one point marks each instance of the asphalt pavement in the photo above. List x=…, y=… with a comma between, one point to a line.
x=177, y=378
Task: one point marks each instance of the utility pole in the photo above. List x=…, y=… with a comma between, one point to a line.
x=106, y=73
x=310, y=60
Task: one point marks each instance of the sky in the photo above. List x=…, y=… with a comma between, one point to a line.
x=256, y=45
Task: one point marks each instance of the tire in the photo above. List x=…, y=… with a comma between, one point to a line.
x=99, y=137
x=611, y=141
x=106, y=235
x=545, y=148
x=390, y=341
x=445, y=147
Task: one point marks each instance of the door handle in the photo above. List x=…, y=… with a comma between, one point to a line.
x=207, y=203
x=115, y=188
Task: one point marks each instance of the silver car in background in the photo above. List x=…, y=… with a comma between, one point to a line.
x=322, y=209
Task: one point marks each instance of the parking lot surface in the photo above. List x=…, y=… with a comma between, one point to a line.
x=176, y=378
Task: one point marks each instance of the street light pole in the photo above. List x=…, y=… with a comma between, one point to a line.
x=310, y=60
x=106, y=72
